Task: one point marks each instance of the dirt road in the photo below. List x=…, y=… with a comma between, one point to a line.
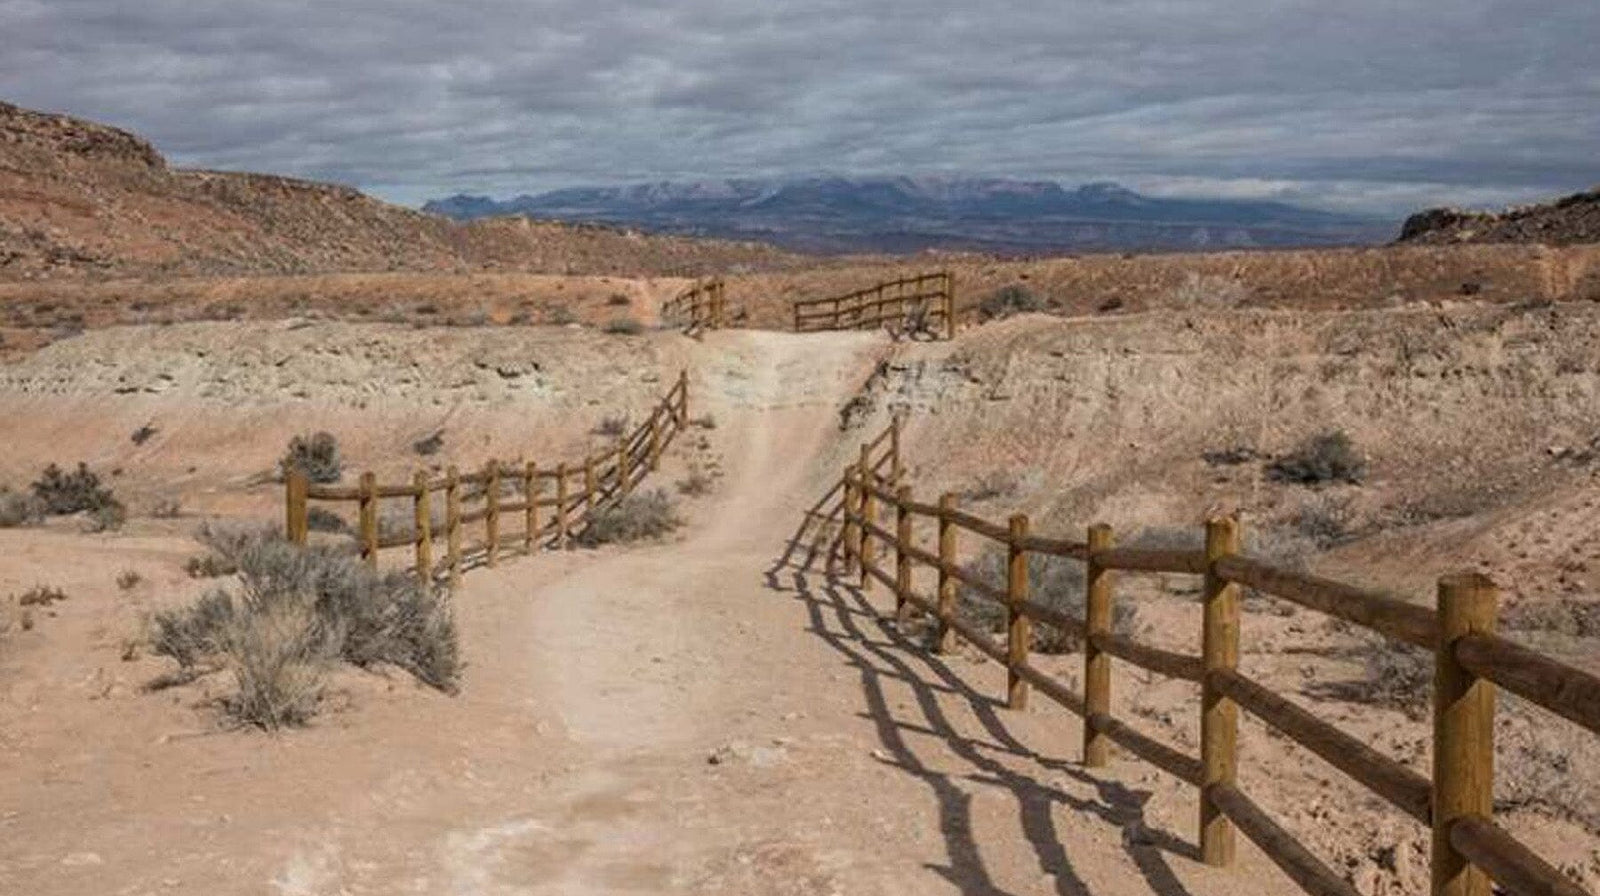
x=702, y=716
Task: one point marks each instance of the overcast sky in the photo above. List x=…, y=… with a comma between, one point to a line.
x=1380, y=106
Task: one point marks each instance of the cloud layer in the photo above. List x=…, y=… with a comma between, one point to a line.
x=1371, y=104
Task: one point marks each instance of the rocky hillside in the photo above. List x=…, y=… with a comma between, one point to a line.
x=1573, y=219
x=78, y=197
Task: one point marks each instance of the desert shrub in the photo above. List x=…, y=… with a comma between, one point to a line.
x=209, y=565
x=1393, y=675
x=994, y=484
x=400, y=521
x=697, y=482
x=560, y=315
x=623, y=326
x=1207, y=291
x=166, y=508
x=296, y=608
x=41, y=596
x=1562, y=616
x=1324, y=458
x=59, y=492
x=128, y=579
x=1322, y=520
x=1168, y=538
x=429, y=444
x=637, y=517
x=617, y=298
x=316, y=455
x=107, y=517
x=1231, y=456
x=612, y=426
x=1009, y=300
x=143, y=434
x=1054, y=582
x=17, y=509
x=321, y=519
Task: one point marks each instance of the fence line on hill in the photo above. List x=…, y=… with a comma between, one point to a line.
x=703, y=306
x=907, y=306
x=1468, y=849
x=580, y=489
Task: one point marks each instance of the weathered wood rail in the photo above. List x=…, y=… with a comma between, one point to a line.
x=1469, y=850
x=925, y=303
x=552, y=503
x=703, y=306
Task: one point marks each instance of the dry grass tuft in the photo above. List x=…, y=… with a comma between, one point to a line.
x=641, y=516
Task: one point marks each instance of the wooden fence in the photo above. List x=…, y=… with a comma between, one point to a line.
x=703, y=306
x=578, y=490
x=1468, y=849
x=922, y=304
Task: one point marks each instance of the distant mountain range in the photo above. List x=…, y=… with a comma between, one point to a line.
x=908, y=214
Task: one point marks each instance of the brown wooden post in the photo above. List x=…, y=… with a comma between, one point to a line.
x=367, y=519
x=946, y=640
x=623, y=474
x=491, y=511
x=683, y=399
x=530, y=497
x=1463, y=732
x=590, y=489
x=796, y=317
x=655, y=440
x=296, y=522
x=452, y=522
x=850, y=538
x=1096, y=663
x=869, y=516
x=1019, y=628
x=562, y=530
x=1219, y=716
x=902, y=560
x=949, y=305
x=424, y=526
x=896, y=469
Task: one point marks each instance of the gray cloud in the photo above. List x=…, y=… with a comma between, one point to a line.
x=1373, y=104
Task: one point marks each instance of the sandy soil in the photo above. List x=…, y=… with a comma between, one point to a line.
x=705, y=715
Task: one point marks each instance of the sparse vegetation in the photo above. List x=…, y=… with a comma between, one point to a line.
x=316, y=455
x=166, y=508
x=1208, y=291
x=1566, y=616
x=1054, y=582
x=623, y=326
x=17, y=509
x=295, y=611
x=59, y=492
x=129, y=579
x=993, y=484
x=1324, y=520
x=209, y=565
x=429, y=445
x=321, y=519
x=1009, y=300
x=143, y=434
x=1231, y=456
x=1325, y=458
x=1393, y=675
x=612, y=426
x=107, y=517
x=41, y=596
x=638, y=517
x=697, y=482
x=617, y=298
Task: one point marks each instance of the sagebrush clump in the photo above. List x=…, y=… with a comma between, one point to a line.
x=296, y=610
x=1009, y=300
x=316, y=455
x=637, y=517
x=59, y=492
x=1325, y=458
x=1053, y=582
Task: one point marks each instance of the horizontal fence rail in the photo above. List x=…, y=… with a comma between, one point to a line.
x=545, y=505
x=703, y=306
x=910, y=306
x=874, y=510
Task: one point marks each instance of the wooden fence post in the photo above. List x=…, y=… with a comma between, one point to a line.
x=949, y=305
x=1019, y=628
x=869, y=516
x=1219, y=715
x=849, y=538
x=1463, y=732
x=530, y=497
x=424, y=526
x=367, y=519
x=896, y=470
x=452, y=522
x=1096, y=663
x=655, y=440
x=946, y=640
x=683, y=399
x=589, y=488
x=796, y=307
x=491, y=511
x=902, y=560
x=623, y=473
x=296, y=522
x=562, y=531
